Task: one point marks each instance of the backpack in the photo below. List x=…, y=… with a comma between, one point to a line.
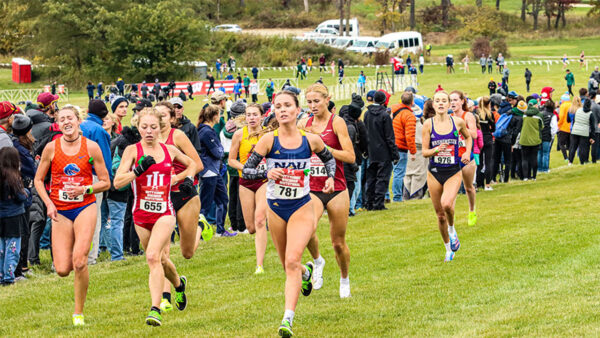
x=502, y=125
x=40, y=144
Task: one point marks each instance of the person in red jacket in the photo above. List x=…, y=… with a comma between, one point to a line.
x=404, y=122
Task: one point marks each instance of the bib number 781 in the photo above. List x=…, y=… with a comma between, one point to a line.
x=288, y=192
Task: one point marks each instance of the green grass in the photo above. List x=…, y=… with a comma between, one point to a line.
x=529, y=268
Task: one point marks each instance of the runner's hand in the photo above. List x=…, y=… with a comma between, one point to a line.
x=466, y=158
x=74, y=191
x=442, y=147
x=328, y=188
x=51, y=212
x=275, y=174
x=187, y=186
x=144, y=164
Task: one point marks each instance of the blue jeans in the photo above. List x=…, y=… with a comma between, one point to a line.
x=117, y=215
x=10, y=248
x=398, y=180
x=359, y=196
x=544, y=157
x=357, y=188
x=45, y=240
x=105, y=228
x=214, y=191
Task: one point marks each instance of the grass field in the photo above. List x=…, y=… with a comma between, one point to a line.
x=528, y=268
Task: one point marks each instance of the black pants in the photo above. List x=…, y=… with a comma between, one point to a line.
x=528, y=83
x=581, y=145
x=211, y=86
x=131, y=242
x=490, y=68
x=516, y=171
x=254, y=98
x=378, y=178
x=24, y=246
x=236, y=217
x=247, y=91
x=485, y=167
x=483, y=69
x=570, y=90
x=595, y=147
x=500, y=149
x=564, y=141
x=529, y=162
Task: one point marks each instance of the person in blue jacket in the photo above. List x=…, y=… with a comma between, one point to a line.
x=90, y=89
x=212, y=189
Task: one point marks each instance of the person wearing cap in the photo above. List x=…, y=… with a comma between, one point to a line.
x=382, y=152
x=404, y=123
x=7, y=111
x=92, y=129
x=492, y=86
x=184, y=124
x=141, y=104
x=530, y=140
x=550, y=128
x=119, y=107
x=120, y=86
x=570, y=78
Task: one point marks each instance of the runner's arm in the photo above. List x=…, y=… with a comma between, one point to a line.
x=233, y=161
x=341, y=130
x=124, y=173
x=319, y=148
x=182, y=158
x=250, y=171
x=426, y=139
x=467, y=135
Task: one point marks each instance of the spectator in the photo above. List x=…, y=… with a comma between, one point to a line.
x=404, y=125
x=564, y=127
x=119, y=107
x=211, y=84
x=237, y=91
x=362, y=81
x=486, y=157
x=218, y=69
x=421, y=63
x=449, y=64
x=490, y=63
x=548, y=132
x=357, y=133
x=7, y=110
x=90, y=90
x=231, y=63
x=482, y=61
x=592, y=84
x=322, y=66
x=492, y=86
x=415, y=178
x=527, y=78
x=120, y=86
x=341, y=74
x=582, y=132
x=505, y=74
x=254, y=91
x=144, y=90
x=100, y=90
x=53, y=88
x=269, y=91
x=530, y=140
x=13, y=197
x=172, y=87
x=340, y=63
x=570, y=81
x=465, y=62
x=382, y=151
x=596, y=135
x=255, y=73
x=190, y=90
x=596, y=74
x=500, y=62
x=246, y=85
x=156, y=88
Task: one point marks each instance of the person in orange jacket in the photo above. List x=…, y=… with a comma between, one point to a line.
x=564, y=127
x=404, y=123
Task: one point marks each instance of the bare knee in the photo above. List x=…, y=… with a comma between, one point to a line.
x=79, y=263
x=187, y=253
x=63, y=271
x=339, y=245
x=447, y=207
x=292, y=264
x=153, y=258
x=441, y=217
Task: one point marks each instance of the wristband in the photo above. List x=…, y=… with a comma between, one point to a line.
x=437, y=150
x=89, y=190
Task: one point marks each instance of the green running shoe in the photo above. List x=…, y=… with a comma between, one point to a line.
x=78, y=320
x=307, y=284
x=165, y=305
x=285, y=329
x=180, y=298
x=154, y=318
x=207, y=230
x=472, y=218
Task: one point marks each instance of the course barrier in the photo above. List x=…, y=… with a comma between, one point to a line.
x=29, y=94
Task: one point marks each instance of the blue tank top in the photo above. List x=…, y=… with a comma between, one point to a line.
x=449, y=157
x=295, y=183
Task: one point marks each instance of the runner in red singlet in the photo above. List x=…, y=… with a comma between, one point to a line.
x=148, y=166
x=71, y=159
x=334, y=134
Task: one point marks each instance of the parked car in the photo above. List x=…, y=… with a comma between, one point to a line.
x=227, y=28
x=364, y=44
x=335, y=23
x=404, y=42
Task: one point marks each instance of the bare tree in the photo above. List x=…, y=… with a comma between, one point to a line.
x=306, y=6
x=536, y=7
x=412, y=15
x=348, y=5
x=497, y=5
x=242, y=3
x=523, y=9
x=479, y=3
x=218, y=9
x=341, y=9
x=445, y=9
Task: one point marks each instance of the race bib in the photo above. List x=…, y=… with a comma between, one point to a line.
x=445, y=157
x=70, y=182
x=154, y=199
x=64, y=197
x=262, y=165
x=461, y=141
x=317, y=168
x=291, y=185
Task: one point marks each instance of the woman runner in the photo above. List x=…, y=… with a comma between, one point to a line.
x=252, y=192
x=288, y=151
x=334, y=133
x=184, y=195
x=441, y=143
x=459, y=107
x=148, y=166
x=71, y=203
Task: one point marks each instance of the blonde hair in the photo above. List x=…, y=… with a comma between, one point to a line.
x=71, y=109
x=484, y=108
x=135, y=121
x=318, y=88
x=575, y=105
x=115, y=120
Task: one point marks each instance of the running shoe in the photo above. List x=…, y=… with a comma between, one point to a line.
x=180, y=298
x=344, y=290
x=472, y=218
x=165, y=305
x=207, y=229
x=259, y=270
x=489, y=188
x=154, y=318
x=454, y=243
x=227, y=234
x=318, y=275
x=285, y=329
x=307, y=284
x=449, y=256
x=78, y=320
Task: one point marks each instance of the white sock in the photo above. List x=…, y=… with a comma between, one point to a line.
x=319, y=260
x=305, y=275
x=289, y=316
x=451, y=230
x=447, y=245
x=345, y=281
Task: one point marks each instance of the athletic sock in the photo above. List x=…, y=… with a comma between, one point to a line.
x=447, y=245
x=319, y=260
x=289, y=316
x=451, y=230
x=154, y=308
x=345, y=281
x=305, y=275
x=181, y=287
x=167, y=296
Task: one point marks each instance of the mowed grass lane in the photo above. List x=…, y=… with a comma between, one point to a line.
x=529, y=267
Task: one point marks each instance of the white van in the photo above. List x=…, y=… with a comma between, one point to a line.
x=354, y=31
x=404, y=42
x=364, y=44
x=342, y=42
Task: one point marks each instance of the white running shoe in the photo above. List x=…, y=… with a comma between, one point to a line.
x=317, y=277
x=489, y=188
x=344, y=290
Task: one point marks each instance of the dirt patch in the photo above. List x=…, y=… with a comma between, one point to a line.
x=279, y=31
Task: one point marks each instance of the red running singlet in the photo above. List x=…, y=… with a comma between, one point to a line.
x=70, y=170
x=318, y=175
x=177, y=166
x=152, y=191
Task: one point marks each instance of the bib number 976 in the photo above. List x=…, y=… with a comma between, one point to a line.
x=443, y=159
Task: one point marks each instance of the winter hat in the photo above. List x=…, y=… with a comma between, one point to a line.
x=331, y=105
x=439, y=88
x=266, y=107
x=98, y=108
x=355, y=108
x=6, y=109
x=21, y=124
x=387, y=97
x=535, y=96
x=512, y=94
x=293, y=90
x=379, y=97
x=45, y=99
x=237, y=108
x=565, y=97
x=141, y=104
x=370, y=95
x=522, y=106
x=30, y=105
x=533, y=102
x=116, y=102
x=410, y=89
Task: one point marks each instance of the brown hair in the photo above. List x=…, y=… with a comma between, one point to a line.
x=428, y=110
x=10, y=175
x=461, y=95
x=115, y=120
x=169, y=105
x=208, y=113
x=407, y=98
x=289, y=93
